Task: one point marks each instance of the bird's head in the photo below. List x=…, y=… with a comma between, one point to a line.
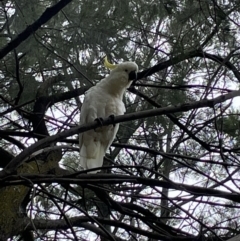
x=127, y=71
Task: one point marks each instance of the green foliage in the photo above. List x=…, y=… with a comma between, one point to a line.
x=199, y=148
x=230, y=125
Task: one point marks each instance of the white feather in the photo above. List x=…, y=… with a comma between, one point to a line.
x=103, y=100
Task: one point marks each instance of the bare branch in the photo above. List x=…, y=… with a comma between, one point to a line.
x=118, y=119
x=88, y=180
x=46, y=16
x=189, y=55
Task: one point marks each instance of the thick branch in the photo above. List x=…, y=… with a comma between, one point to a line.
x=11, y=167
x=83, y=222
x=43, y=103
x=95, y=179
x=6, y=157
x=50, y=100
x=46, y=16
x=189, y=55
x=173, y=119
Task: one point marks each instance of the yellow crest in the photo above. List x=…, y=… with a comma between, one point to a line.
x=109, y=65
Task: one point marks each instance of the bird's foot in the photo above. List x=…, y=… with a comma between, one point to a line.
x=112, y=118
x=100, y=122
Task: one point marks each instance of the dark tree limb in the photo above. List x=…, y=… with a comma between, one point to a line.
x=82, y=221
x=6, y=157
x=45, y=17
x=172, y=118
x=13, y=141
x=88, y=180
x=118, y=119
x=43, y=103
x=196, y=53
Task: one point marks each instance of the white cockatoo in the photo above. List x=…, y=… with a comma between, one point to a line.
x=102, y=101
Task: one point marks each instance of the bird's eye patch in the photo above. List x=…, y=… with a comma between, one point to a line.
x=126, y=70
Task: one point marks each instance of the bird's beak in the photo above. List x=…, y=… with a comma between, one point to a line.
x=132, y=76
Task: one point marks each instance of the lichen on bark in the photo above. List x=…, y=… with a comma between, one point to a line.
x=12, y=220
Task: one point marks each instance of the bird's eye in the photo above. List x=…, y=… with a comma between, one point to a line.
x=126, y=70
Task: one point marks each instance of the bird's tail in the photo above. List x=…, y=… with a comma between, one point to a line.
x=94, y=159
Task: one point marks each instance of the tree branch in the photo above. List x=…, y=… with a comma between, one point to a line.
x=46, y=16
x=43, y=103
x=88, y=180
x=6, y=157
x=189, y=55
x=11, y=167
x=83, y=222
x=173, y=119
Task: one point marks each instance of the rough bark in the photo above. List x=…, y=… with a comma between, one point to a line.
x=12, y=197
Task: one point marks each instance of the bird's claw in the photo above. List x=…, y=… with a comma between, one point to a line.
x=112, y=118
x=100, y=122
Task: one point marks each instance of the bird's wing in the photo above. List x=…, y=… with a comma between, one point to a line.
x=95, y=143
x=91, y=149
